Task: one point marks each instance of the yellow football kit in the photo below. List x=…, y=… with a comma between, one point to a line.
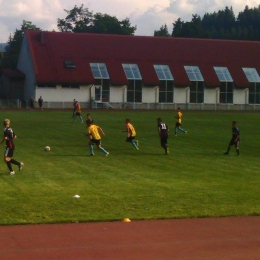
x=93, y=130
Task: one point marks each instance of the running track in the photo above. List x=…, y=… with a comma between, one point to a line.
x=189, y=239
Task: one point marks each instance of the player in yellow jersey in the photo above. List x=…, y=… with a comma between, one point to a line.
x=178, y=122
x=94, y=137
x=131, y=134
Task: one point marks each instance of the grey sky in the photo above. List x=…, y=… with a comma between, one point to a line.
x=147, y=15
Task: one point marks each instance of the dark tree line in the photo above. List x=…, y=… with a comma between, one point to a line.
x=218, y=25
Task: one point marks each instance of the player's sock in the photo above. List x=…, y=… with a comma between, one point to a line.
x=182, y=130
x=134, y=144
x=176, y=131
x=9, y=165
x=91, y=148
x=237, y=151
x=103, y=150
x=81, y=119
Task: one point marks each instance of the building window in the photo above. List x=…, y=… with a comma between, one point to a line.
x=252, y=75
x=194, y=73
x=132, y=71
x=197, y=92
x=166, y=91
x=227, y=85
x=102, y=85
x=68, y=85
x=226, y=92
x=254, y=89
x=163, y=72
x=46, y=85
x=166, y=83
x=134, y=91
x=254, y=93
x=197, y=84
x=134, y=88
x=99, y=70
x=69, y=64
x=223, y=74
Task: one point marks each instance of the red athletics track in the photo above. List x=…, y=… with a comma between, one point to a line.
x=200, y=239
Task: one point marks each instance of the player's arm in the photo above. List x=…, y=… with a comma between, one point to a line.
x=126, y=130
x=3, y=140
x=101, y=130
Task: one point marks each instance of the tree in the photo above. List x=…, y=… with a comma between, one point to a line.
x=162, y=32
x=80, y=20
x=221, y=25
x=14, y=44
x=106, y=24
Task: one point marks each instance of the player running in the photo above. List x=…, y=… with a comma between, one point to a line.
x=235, y=138
x=178, y=123
x=94, y=137
x=9, y=137
x=131, y=134
x=163, y=133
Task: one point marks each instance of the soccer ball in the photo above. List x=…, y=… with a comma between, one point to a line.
x=47, y=148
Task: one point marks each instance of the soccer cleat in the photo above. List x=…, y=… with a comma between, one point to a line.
x=21, y=166
x=107, y=154
x=91, y=154
x=226, y=153
x=167, y=151
x=12, y=173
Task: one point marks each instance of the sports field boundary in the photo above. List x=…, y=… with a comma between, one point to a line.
x=190, y=239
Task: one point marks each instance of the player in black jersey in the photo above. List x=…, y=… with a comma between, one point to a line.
x=9, y=137
x=163, y=133
x=235, y=138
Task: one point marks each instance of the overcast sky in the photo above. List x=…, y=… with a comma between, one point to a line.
x=147, y=15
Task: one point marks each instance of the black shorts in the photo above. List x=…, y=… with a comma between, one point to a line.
x=97, y=142
x=9, y=152
x=233, y=142
x=177, y=124
x=78, y=113
x=130, y=138
x=164, y=139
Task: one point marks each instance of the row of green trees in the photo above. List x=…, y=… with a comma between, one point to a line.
x=218, y=25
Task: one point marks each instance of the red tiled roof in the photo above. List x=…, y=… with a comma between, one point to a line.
x=113, y=50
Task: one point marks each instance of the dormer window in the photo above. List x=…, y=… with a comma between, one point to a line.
x=69, y=64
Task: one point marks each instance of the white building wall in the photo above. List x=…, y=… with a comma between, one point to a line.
x=240, y=96
x=211, y=95
x=60, y=94
x=149, y=94
x=181, y=95
x=117, y=94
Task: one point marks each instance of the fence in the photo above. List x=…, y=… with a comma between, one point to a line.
x=17, y=104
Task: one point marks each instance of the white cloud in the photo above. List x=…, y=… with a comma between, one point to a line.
x=147, y=15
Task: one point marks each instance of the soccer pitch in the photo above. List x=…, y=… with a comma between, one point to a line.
x=194, y=180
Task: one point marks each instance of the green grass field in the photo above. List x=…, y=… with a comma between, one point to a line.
x=194, y=180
